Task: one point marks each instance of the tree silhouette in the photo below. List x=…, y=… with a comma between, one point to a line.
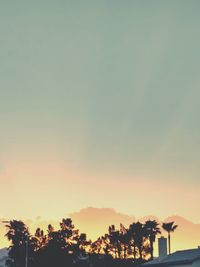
x=105, y=243
x=65, y=246
x=96, y=246
x=169, y=228
x=139, y=235
x=114, y=237
x=40, y=239
x=124, y=239
x=18, y=235
x=56, y=248
x=152, y=228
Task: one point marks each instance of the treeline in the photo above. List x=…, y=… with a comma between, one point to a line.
x=66, y=246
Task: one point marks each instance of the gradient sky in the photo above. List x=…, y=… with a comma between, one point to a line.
x=99, y=106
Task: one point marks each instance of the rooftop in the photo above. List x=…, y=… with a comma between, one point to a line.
x=180, y=257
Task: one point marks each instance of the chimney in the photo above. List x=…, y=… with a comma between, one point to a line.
x=162, y=247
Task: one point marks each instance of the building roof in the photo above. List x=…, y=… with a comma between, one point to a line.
x=179, y=257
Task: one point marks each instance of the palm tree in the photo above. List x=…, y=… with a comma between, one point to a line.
x=152, y=228
x=132, y=232
x=169, y=228
x=40, y=239
x=19, y=237
x=125, y=239
x=138, y=235
x=115, y=240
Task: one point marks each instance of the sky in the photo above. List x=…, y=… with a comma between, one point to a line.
x=99, y=106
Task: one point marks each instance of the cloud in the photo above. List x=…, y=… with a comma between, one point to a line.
x=95, y=221
x=187, y=234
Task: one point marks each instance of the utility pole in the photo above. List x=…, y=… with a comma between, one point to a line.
x=26, y=258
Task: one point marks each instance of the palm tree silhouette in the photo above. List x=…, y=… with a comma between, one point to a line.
x=133, y=229
x=115, y=240
x=152, y=228
x=18, y=235
x=169, y=228
x=138, y=234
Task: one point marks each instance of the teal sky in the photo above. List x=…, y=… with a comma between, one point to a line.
x=103, y=89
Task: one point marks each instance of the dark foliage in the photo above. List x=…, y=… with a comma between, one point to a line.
x=67, y=247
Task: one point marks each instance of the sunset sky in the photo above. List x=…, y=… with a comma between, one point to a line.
x=99, y=106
